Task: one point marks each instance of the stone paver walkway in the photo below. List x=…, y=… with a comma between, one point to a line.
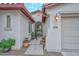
x=35, y=48
x=35, y=42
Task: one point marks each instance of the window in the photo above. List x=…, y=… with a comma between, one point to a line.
x=8, y=24
x=30, y=27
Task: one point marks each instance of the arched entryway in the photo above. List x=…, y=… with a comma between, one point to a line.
x=38, y=29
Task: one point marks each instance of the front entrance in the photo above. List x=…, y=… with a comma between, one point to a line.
x=38, y=29
x=70, y=33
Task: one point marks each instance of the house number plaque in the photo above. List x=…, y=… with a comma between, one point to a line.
x=55, y=27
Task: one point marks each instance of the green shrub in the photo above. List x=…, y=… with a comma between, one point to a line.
x=11, y=41
x=33, y=35
x=7, y=43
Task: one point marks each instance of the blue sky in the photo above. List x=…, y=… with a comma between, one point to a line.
x=33, y=6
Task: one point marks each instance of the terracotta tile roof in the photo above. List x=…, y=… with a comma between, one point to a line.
x=16, y=6
x=45, y=6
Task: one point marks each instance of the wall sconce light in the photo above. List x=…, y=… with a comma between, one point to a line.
x=56, y=17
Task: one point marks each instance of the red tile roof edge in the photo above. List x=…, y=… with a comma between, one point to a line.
x=43, y=13
x=49, y=5
x=17, y=6
x=45, y=6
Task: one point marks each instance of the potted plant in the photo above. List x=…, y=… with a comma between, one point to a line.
x=26, y=43
x=32, y=35
x=6, y=44
x=43, y=40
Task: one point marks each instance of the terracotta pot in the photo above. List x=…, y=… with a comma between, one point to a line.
x=25, y=43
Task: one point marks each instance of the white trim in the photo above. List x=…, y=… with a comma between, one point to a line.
x=60, y=29
x=62, y=12
x=5, y=18
x=69, y=13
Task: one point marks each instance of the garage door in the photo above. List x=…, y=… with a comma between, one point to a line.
x=70, y=33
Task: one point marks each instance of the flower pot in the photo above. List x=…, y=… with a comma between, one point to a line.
x=25, y=43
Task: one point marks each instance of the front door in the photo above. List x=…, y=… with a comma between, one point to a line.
x=38, y=29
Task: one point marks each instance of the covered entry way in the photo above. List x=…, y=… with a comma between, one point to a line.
x=38, y=29
x=70, y=32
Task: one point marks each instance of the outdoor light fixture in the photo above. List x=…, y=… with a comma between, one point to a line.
x=56, y=17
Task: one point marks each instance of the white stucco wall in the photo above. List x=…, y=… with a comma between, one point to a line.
x=19, y=27
x=37, y=17
x=24, y=28
x=46, y=26
x=0, y=26
x=53, y=39
x=14, y=30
